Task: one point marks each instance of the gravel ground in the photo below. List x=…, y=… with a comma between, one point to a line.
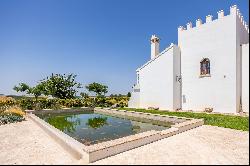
x=26, y=143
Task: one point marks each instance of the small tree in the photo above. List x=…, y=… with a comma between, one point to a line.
x=100, y=91
x=129, y=94
x=61, y=86
x=36, y=91
x=97, y=88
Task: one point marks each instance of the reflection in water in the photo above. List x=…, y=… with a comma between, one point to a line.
x=97, y=122
x=64, y=123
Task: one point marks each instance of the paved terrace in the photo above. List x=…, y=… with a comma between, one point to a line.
x=26, y=143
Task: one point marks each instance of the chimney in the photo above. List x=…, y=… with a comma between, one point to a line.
x=155, y=46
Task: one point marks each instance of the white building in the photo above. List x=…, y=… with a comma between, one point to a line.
x=208, y=69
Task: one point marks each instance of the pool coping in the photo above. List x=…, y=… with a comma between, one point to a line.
x=89, y=154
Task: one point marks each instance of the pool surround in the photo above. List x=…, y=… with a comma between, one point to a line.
x=88, y=154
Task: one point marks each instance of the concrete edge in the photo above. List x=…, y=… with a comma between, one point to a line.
x=72, y=146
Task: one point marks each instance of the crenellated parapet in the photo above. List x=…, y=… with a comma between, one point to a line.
x=209, y=18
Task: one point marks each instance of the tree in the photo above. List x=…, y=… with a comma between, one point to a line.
x=36, y=91
x=61, y=86
x=84, y=95
x=129, y=94
x=22, y=88
x=97, y=88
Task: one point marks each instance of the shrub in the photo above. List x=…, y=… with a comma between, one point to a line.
x=71, y=102
x=11, y=115
x=55, y=103
x=14, y=110
x=89, y=102
x=6, y=118
x=26, y=104
x=122, y=103
x=7, y=100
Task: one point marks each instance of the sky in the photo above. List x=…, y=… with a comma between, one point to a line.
x=101, y=41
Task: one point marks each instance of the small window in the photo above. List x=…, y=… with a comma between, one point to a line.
x=205, y=67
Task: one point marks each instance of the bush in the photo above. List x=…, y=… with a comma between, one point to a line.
x=43, y=103
x=89, y=102
x=26, y=104
x=6, y=118
x=11, y=114
x=14, y=110
x=6, y=102
x=71, y=102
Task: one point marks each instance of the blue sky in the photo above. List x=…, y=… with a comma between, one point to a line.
x=99, y=40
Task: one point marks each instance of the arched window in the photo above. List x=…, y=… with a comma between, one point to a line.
x=205, y=67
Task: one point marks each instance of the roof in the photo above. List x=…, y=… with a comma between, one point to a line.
x=160, y=54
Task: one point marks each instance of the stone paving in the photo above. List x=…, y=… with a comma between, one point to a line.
x=26, y=143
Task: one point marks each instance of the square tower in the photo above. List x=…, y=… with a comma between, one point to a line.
x=212, y=62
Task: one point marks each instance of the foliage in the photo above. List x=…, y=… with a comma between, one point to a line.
x=129, y=94
x=84, y=95
x=227, y=121
x=26, y=104
x=22, y=88
x=89, y=102
x=97, y=122
x=97, y=88
x=122, y=103
x=14, y=110
x=36, y=91
x=9, y=113
x=71, y=102
x=6, y=102
x=61, y=86
x=47, y=103
x=10, y=118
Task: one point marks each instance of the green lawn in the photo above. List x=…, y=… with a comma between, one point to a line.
x=227, y=121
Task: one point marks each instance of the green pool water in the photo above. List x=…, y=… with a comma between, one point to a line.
x=91, y=128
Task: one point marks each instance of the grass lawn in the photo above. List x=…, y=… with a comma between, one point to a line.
x=227, y=121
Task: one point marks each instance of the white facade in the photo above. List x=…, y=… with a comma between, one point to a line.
x=158, y=84
x=245, y=77
x=172, y=80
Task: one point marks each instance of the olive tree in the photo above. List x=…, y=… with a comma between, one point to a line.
x=61, y=86
x=97, y=88
x=36, y=90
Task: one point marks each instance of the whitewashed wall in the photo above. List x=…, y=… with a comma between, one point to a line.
x=134, y=101
x=242, y=37
x=158, y=86
x=245, y=77
x=215, y=40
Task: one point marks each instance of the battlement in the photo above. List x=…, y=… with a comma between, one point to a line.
x=209, y=18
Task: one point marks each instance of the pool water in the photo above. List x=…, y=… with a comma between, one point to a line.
x=91, y=128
